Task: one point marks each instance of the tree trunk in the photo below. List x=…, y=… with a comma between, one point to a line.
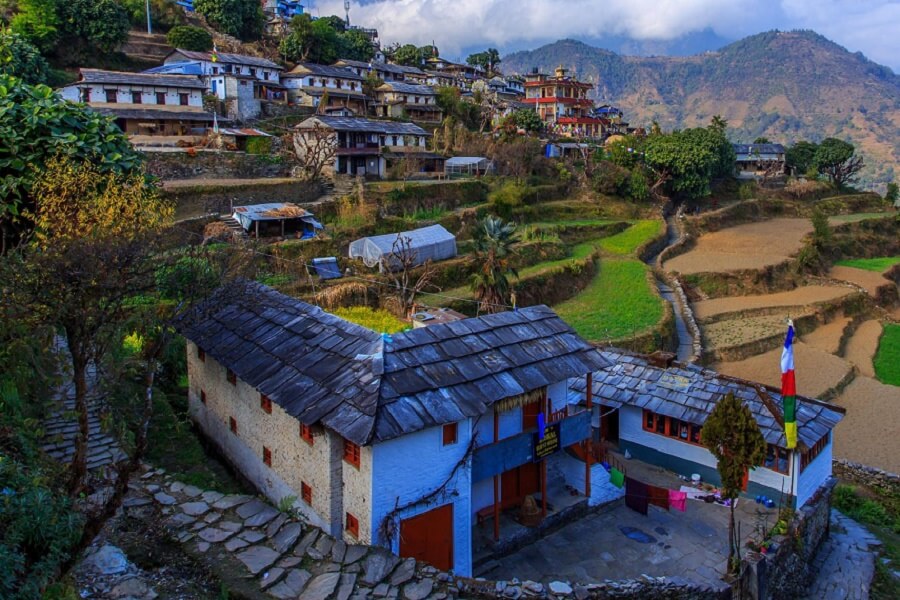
x=78, y=469
x=731, y=548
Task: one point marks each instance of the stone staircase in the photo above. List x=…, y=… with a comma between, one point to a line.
x=231, y=223
x=146, y=47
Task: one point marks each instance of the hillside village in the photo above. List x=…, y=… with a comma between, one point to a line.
x=291, y=313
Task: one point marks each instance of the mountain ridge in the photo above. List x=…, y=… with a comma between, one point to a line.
x=785, y=86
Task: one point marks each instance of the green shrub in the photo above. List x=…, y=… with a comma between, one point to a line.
x=188, y=37
x=260, y=145
x=164, y=14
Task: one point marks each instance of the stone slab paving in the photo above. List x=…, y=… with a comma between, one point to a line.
x=845, y=564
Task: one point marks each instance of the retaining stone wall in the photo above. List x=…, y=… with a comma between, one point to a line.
x=214, y=165
x=852, y=472
x=191, y=202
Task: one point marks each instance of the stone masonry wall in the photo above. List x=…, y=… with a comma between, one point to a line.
x=197, y=201
x=852, y=472
x=170, y=166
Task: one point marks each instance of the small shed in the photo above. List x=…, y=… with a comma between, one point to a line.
x=283, y=219
x=428, y=243
x=239, y=137
x=468, y=165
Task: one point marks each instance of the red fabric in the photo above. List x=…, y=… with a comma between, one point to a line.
x=788, y=384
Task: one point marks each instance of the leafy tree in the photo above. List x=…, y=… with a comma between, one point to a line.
x=335, y=22
x=800, y=157
x=487, y=60
x=355, y=45
x=638, y=187
x=835, y=160
x=821, y=228
x=164, y=14
x=38, y=22
x=37, y=125
x=189, y=37
x=683, y=161
x=493, y=247
x=310, y=40
x=99, y=24
x=732, y=435
x=892, y=193
x=19, y=58
x=429, y=51
x=528, y=120
x=241, y=18
x=762, y=140
x=407, y=54
x=625, y=152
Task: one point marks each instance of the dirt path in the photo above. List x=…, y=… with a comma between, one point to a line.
x=868, y=433
x=869, y=280
x=817, y=371
x=862, y=346
x=750, y=246
x=828, y=337
x=799, y=297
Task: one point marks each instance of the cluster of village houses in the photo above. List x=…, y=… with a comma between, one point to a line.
x=193, y=93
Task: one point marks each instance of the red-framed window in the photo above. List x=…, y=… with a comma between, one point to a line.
x=201, y=354
x=351, y=453
x=231, y=377
x=232, y=424
x=160, y=97
x=202, y=397
x=267, y=456
x=811, y=454
x=111, y=96
x=136, y=97
x=265, y=403
x=451, y=431
x=352, y=525
x=306, y=434
x=683, y=431
x=306, y=493
x=778, y=459
x=183, y=99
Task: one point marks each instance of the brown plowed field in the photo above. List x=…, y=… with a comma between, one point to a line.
x=828, y=337
x=862, y=346
x=734, y=332
x=801, y=296
x=817, y=371
x=750, y=246
x=868, y=433
x=869, y=280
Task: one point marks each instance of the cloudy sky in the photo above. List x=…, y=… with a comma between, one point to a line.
x=459, y=26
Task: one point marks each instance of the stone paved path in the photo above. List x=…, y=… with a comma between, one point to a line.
x=845, y=564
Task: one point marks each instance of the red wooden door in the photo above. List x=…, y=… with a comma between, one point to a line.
x=429, y=537
x=517, y=483
x=529, y=415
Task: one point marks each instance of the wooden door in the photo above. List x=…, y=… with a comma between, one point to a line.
x=429, y=537
x=529, y=415
x=517, y=483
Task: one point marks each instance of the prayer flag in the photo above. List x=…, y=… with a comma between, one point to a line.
x=789, y=388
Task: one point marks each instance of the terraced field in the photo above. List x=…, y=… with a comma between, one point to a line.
x=802, y=296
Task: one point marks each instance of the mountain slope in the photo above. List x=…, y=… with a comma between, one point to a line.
x=782, y=85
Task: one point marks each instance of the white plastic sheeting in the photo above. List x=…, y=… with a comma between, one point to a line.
x=428, y=243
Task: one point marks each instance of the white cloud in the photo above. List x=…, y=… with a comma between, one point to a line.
x=868, y=25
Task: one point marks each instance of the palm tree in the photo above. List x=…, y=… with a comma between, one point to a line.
x=493, y=247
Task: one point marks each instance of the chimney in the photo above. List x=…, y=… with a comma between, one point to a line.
x=661, y=359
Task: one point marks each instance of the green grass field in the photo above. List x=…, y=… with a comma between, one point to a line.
x=631, y=239
x=841, y=219
x=618, y=303
x=887, y=359
x=879, y=265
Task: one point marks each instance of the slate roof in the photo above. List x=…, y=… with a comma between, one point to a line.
x=407, y=88
x=147, y=79
x=307, y=69
x=133, y=111
x=690, y=392
x=227, y=58
x=758, y=148
x=375, y=66
x=367, y=125
x=322, y=369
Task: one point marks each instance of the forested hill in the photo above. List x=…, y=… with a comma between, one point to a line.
x=782, y=85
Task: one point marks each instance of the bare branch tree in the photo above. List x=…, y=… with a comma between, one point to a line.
x=401, y=265
x=313, y=149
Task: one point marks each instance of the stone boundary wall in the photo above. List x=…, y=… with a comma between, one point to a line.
x=197, y=201
x=209, y=164
x=785, y=573
x=852, y=472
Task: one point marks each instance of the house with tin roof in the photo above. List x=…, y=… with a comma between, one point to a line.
x=654, y=408
x=310, y=84
x=148, y=107
x=406, y=441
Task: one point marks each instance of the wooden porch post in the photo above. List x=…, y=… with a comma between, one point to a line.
x=545, y=410
x=282, y=228
x=496, y=480
x=589, y=400
x=257, y=230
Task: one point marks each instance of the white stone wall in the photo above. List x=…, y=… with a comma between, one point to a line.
x=816, y=473
x=293, y=459
x=74, y=93
x=357, y=494
x=240, y=103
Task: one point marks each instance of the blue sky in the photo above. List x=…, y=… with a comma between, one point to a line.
x=459, y=26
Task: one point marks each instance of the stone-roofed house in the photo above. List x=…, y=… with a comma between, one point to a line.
x=399, y=99
x=309, y=83
x=397, y=440
x=655, y=408
x=368, y=147
x=147, y=107
x=384, y=71
x=755, y=161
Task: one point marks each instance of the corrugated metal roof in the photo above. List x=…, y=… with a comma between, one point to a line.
x=227, y=58
x=322, y=369
x=691, y=392
x=365, y=125
x=148, y=79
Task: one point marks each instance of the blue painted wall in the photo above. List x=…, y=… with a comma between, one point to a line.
x=410, y=467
